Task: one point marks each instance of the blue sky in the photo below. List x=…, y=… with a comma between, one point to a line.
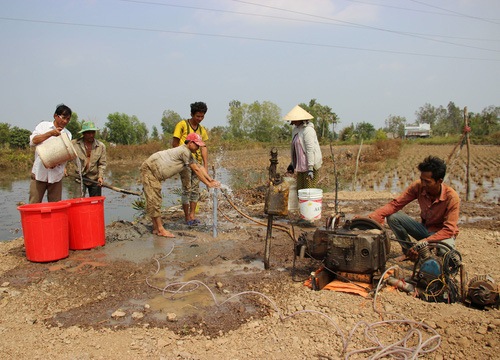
x=366, y=59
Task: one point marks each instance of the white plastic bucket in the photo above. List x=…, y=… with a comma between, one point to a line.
x=293, y=198
x=310, y=203
x=56, y=150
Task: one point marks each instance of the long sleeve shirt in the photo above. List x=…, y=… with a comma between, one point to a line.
x=304, y=139
x=41, y=173
x=93, y=167
x=439, y=216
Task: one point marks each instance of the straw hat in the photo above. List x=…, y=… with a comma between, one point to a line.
x=297, y=114
x=88, y=126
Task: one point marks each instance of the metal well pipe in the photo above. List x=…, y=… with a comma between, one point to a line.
x=215, y=207
x=214, y=221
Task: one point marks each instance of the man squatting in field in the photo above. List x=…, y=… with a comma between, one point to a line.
x=439, y=210
x=165, y=164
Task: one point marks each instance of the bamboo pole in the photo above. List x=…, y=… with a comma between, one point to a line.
x=455, y=148
x=214, y=207
x=357, y=162
x=335, y=174
x=451, y=162
x=467, y=138
x=114, y=188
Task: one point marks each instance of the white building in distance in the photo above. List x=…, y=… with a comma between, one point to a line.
x=417, y=131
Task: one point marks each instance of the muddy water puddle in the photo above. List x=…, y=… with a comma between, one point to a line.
x=187, y=275
x=185, y=292
x=473, y=219
x=161, y=282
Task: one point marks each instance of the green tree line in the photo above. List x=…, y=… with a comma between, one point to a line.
x=448, y=120
x=262, y=122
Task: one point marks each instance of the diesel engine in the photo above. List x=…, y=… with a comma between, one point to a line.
x=355, y=250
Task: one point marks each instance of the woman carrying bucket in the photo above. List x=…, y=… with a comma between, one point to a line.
x=306, y=157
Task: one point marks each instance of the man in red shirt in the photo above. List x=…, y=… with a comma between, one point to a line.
x=439, y=210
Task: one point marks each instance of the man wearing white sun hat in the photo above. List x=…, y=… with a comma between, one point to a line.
x=306, y=157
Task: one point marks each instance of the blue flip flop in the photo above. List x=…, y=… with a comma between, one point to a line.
x=193, y=222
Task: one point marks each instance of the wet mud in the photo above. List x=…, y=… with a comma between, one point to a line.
x=193, y=284
x=133, y=280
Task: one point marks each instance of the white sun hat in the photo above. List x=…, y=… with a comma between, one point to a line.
x=297, y=114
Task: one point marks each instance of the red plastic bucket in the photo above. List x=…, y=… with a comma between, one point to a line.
x=86, y=223
x=45, y=230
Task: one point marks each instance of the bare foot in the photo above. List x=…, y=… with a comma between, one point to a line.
x=164, y=233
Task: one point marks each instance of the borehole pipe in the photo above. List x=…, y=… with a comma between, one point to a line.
x=214, y=208
x=276, y=226
x=214, y=220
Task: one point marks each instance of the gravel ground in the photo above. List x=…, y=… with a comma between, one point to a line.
x=111, y=302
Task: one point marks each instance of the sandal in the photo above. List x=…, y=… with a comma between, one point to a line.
x=192, y=222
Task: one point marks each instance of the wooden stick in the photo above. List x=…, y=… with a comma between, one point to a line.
x=455, y=148
x=356, y=170
x=336, y=179
x=467, y=138
x=451, y=162
x=114, y=188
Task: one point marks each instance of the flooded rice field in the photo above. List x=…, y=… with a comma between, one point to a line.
x=386, y=175
x=117, y=205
